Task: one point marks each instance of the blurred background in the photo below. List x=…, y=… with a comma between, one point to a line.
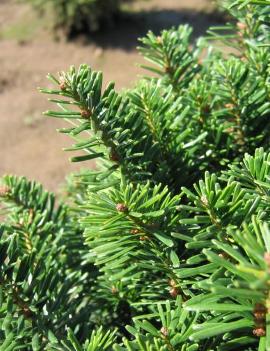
x=35, y=40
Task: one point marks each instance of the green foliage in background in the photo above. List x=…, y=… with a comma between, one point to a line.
x=77, y=15
x=166, y=245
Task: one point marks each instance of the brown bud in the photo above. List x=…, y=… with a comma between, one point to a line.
x=172, y=283
x=121, y=208
x=174, y=292
x=4, y=191
x=86, y=114
x=134, y=231
x=164, y=331
x=259, y=332
x=229, y=106
x=114, y=290
x=144, y=237
x=241, y=25
x=114, y=156
x=63, y=86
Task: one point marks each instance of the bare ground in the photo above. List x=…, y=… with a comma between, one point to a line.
x=29, y=144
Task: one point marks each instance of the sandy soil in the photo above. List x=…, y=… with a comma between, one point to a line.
x=29, y=144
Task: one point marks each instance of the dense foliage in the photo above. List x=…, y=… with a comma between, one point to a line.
x=78, y=15
x=166, y=246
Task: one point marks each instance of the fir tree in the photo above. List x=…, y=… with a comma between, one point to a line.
x=166, y=246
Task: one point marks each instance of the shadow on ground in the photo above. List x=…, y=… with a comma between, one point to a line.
x=128, y=27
